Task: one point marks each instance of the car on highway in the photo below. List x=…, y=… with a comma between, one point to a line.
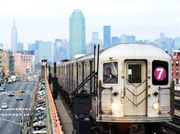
x=10, y=80
x=30, y=79
x=39, y=105
x=4, y=106
x=41, y=131
x=22, y=90
x=1, y=88
x=18, y=97
x=10, y=94
x=39, y=121
x=39, y=125
x=13, y=77
x=17, y=78
x=40, y=97
x=41, y=108
x=42, y=81
x=40, y=117
x=42, y=93
x=41, y=101
x=36, y=119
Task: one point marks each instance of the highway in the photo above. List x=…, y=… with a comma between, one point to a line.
x=14, y=111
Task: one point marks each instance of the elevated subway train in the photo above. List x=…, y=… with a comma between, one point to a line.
x=133, y=89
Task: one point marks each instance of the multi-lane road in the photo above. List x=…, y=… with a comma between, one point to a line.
x=14, y=112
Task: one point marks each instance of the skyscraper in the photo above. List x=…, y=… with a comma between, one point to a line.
x=20, y=47
x=131, y=39
x=34, y=46
x=95, y=36
x=14, y=38
x=94, y=40
x=115, y=40
x=77, y=33
x=45, y=51
x=123, y=38
x=106, y=36
x=161, y=42
x=177, y=42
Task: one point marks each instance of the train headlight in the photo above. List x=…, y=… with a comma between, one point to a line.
x=114, y=106
x=155, y=93
x=155, y=106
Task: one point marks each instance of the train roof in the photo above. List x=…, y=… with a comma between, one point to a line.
x=135, y=50
x=127, y=50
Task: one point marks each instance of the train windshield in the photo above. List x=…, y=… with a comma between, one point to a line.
x=110, y=73
x=134, y=73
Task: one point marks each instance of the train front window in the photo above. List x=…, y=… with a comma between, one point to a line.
x=134, y=73
x=110, y=73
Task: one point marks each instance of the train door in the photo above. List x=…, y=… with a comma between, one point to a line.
x=135, y=88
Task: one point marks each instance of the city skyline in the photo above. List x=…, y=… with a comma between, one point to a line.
x=144, y=19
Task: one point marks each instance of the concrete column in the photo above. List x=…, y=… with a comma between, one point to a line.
x=43, y=65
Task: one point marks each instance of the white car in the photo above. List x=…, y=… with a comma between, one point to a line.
x=19, y=97
x=41, y=92
x=41, y=108
x=1, y=88
x=10, y=81
x=42, y=131
x=4, y=106
x=13, y=77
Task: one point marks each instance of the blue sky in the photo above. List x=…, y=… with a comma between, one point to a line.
x=49, y=19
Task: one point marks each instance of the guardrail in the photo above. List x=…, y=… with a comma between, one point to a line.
x=54, y=112
x=171, y=126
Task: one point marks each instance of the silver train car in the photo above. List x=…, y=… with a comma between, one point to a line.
x=133, y=89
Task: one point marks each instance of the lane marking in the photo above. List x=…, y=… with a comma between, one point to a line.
x=12, y=109
x=20, y=114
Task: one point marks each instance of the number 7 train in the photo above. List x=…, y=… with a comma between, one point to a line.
x=129, y=87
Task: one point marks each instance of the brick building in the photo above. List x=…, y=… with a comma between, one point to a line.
x=24, y=63
x=6, y=62
x=175, y=55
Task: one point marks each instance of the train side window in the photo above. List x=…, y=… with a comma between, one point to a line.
x=177, y=81
x=134, y=73
x=160, y=72
x=110, y=73
x=177, y=63
x=177, y=72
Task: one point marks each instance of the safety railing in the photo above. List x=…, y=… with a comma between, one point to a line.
x=54, y=113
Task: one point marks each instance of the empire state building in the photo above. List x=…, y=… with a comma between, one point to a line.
x=14, y=38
